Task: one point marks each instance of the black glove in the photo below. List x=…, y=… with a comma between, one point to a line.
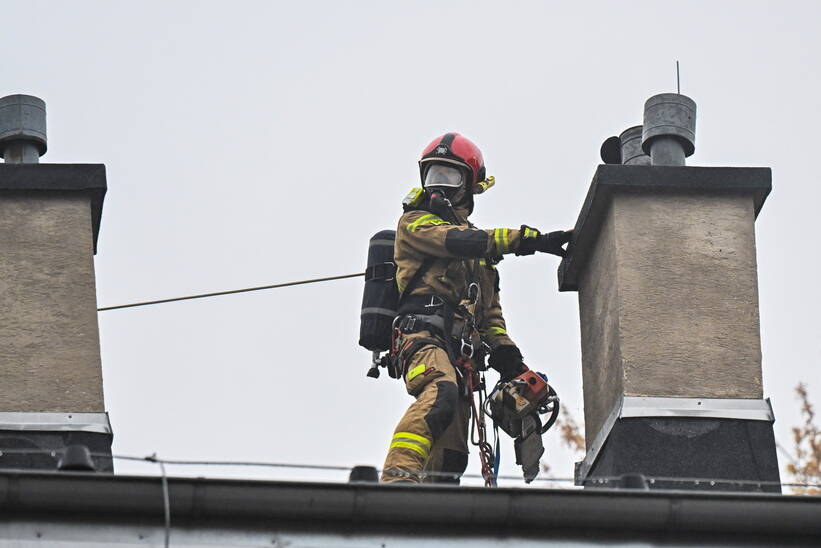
x=507, y=360
x=532, y=241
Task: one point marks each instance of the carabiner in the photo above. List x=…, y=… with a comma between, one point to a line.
x=473, y=293
x=466, y=344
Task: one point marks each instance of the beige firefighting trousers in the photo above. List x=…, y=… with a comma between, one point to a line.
x=430, y=441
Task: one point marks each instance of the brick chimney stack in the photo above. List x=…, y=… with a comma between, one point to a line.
x=664, y=261
x=51, y=394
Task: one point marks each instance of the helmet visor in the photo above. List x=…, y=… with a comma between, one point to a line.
x=441, y=175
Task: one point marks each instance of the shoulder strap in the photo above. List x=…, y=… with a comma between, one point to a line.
x=417, y=276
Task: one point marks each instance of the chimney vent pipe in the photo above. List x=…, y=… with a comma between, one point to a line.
x=22, y=129
x=625, y=149
x=631, y=152
x=669, y=133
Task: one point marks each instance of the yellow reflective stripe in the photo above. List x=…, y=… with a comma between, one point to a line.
x=413, y=437
x=530, y=233
x=429, y=219
x=416, y=371
x=497, y=237
x=482, y=262
x=495, y=331
x=502, y=239
x=410, y=445
x=412, y=227
x=415, y=442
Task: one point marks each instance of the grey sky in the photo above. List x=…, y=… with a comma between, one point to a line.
x=256, y=142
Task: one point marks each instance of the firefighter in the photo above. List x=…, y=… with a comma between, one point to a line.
x=449, y=286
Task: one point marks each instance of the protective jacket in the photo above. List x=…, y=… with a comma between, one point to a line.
x=460, y=254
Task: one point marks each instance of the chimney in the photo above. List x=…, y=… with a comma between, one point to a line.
x=663, y=258
x=51, y=394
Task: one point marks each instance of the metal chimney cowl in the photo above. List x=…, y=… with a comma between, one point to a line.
x=22, y=129
x=625, y=149
x=669, y=129
x=51, y=396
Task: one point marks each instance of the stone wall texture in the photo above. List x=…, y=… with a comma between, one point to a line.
x=669, y=301
x=49, y=337
x=602, y=373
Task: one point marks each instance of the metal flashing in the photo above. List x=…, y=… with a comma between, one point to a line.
x=55, y=422
x=640, y=406
x=586, y=464
x=714, y=408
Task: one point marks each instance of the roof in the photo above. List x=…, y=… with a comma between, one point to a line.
x=79, y=508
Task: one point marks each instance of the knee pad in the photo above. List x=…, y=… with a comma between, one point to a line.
x=443, y=409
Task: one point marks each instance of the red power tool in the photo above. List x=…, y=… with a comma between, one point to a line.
x=516, y=407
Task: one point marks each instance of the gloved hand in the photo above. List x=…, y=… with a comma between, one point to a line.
x=532, y=241
x=508, y=361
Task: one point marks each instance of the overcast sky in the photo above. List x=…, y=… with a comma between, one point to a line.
x=249, y=143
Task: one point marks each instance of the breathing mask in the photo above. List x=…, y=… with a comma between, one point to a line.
x=446, y=182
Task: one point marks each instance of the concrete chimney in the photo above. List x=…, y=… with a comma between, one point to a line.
x=51, y=394
x=663, y=258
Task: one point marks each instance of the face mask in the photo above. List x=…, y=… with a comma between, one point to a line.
x=448, y=182
x=444, y=176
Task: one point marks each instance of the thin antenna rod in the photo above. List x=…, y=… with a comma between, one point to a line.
x=678, y=80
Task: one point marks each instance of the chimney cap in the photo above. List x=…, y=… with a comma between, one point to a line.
x=23, y=118
x=670, y=115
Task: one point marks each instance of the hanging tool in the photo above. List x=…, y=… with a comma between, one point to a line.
x=516, y=407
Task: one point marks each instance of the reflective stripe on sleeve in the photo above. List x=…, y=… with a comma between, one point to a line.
x=496, y=331
x=502, y=238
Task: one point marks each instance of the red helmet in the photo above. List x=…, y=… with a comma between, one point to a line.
x=452, y=148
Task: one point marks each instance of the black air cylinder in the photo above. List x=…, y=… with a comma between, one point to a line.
x=381, y=295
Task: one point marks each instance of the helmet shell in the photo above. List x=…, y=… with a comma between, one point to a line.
x=453, y=148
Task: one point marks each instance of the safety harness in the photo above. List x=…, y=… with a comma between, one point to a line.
x=455, y=327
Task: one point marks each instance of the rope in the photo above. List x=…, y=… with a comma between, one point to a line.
x=229, y=292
